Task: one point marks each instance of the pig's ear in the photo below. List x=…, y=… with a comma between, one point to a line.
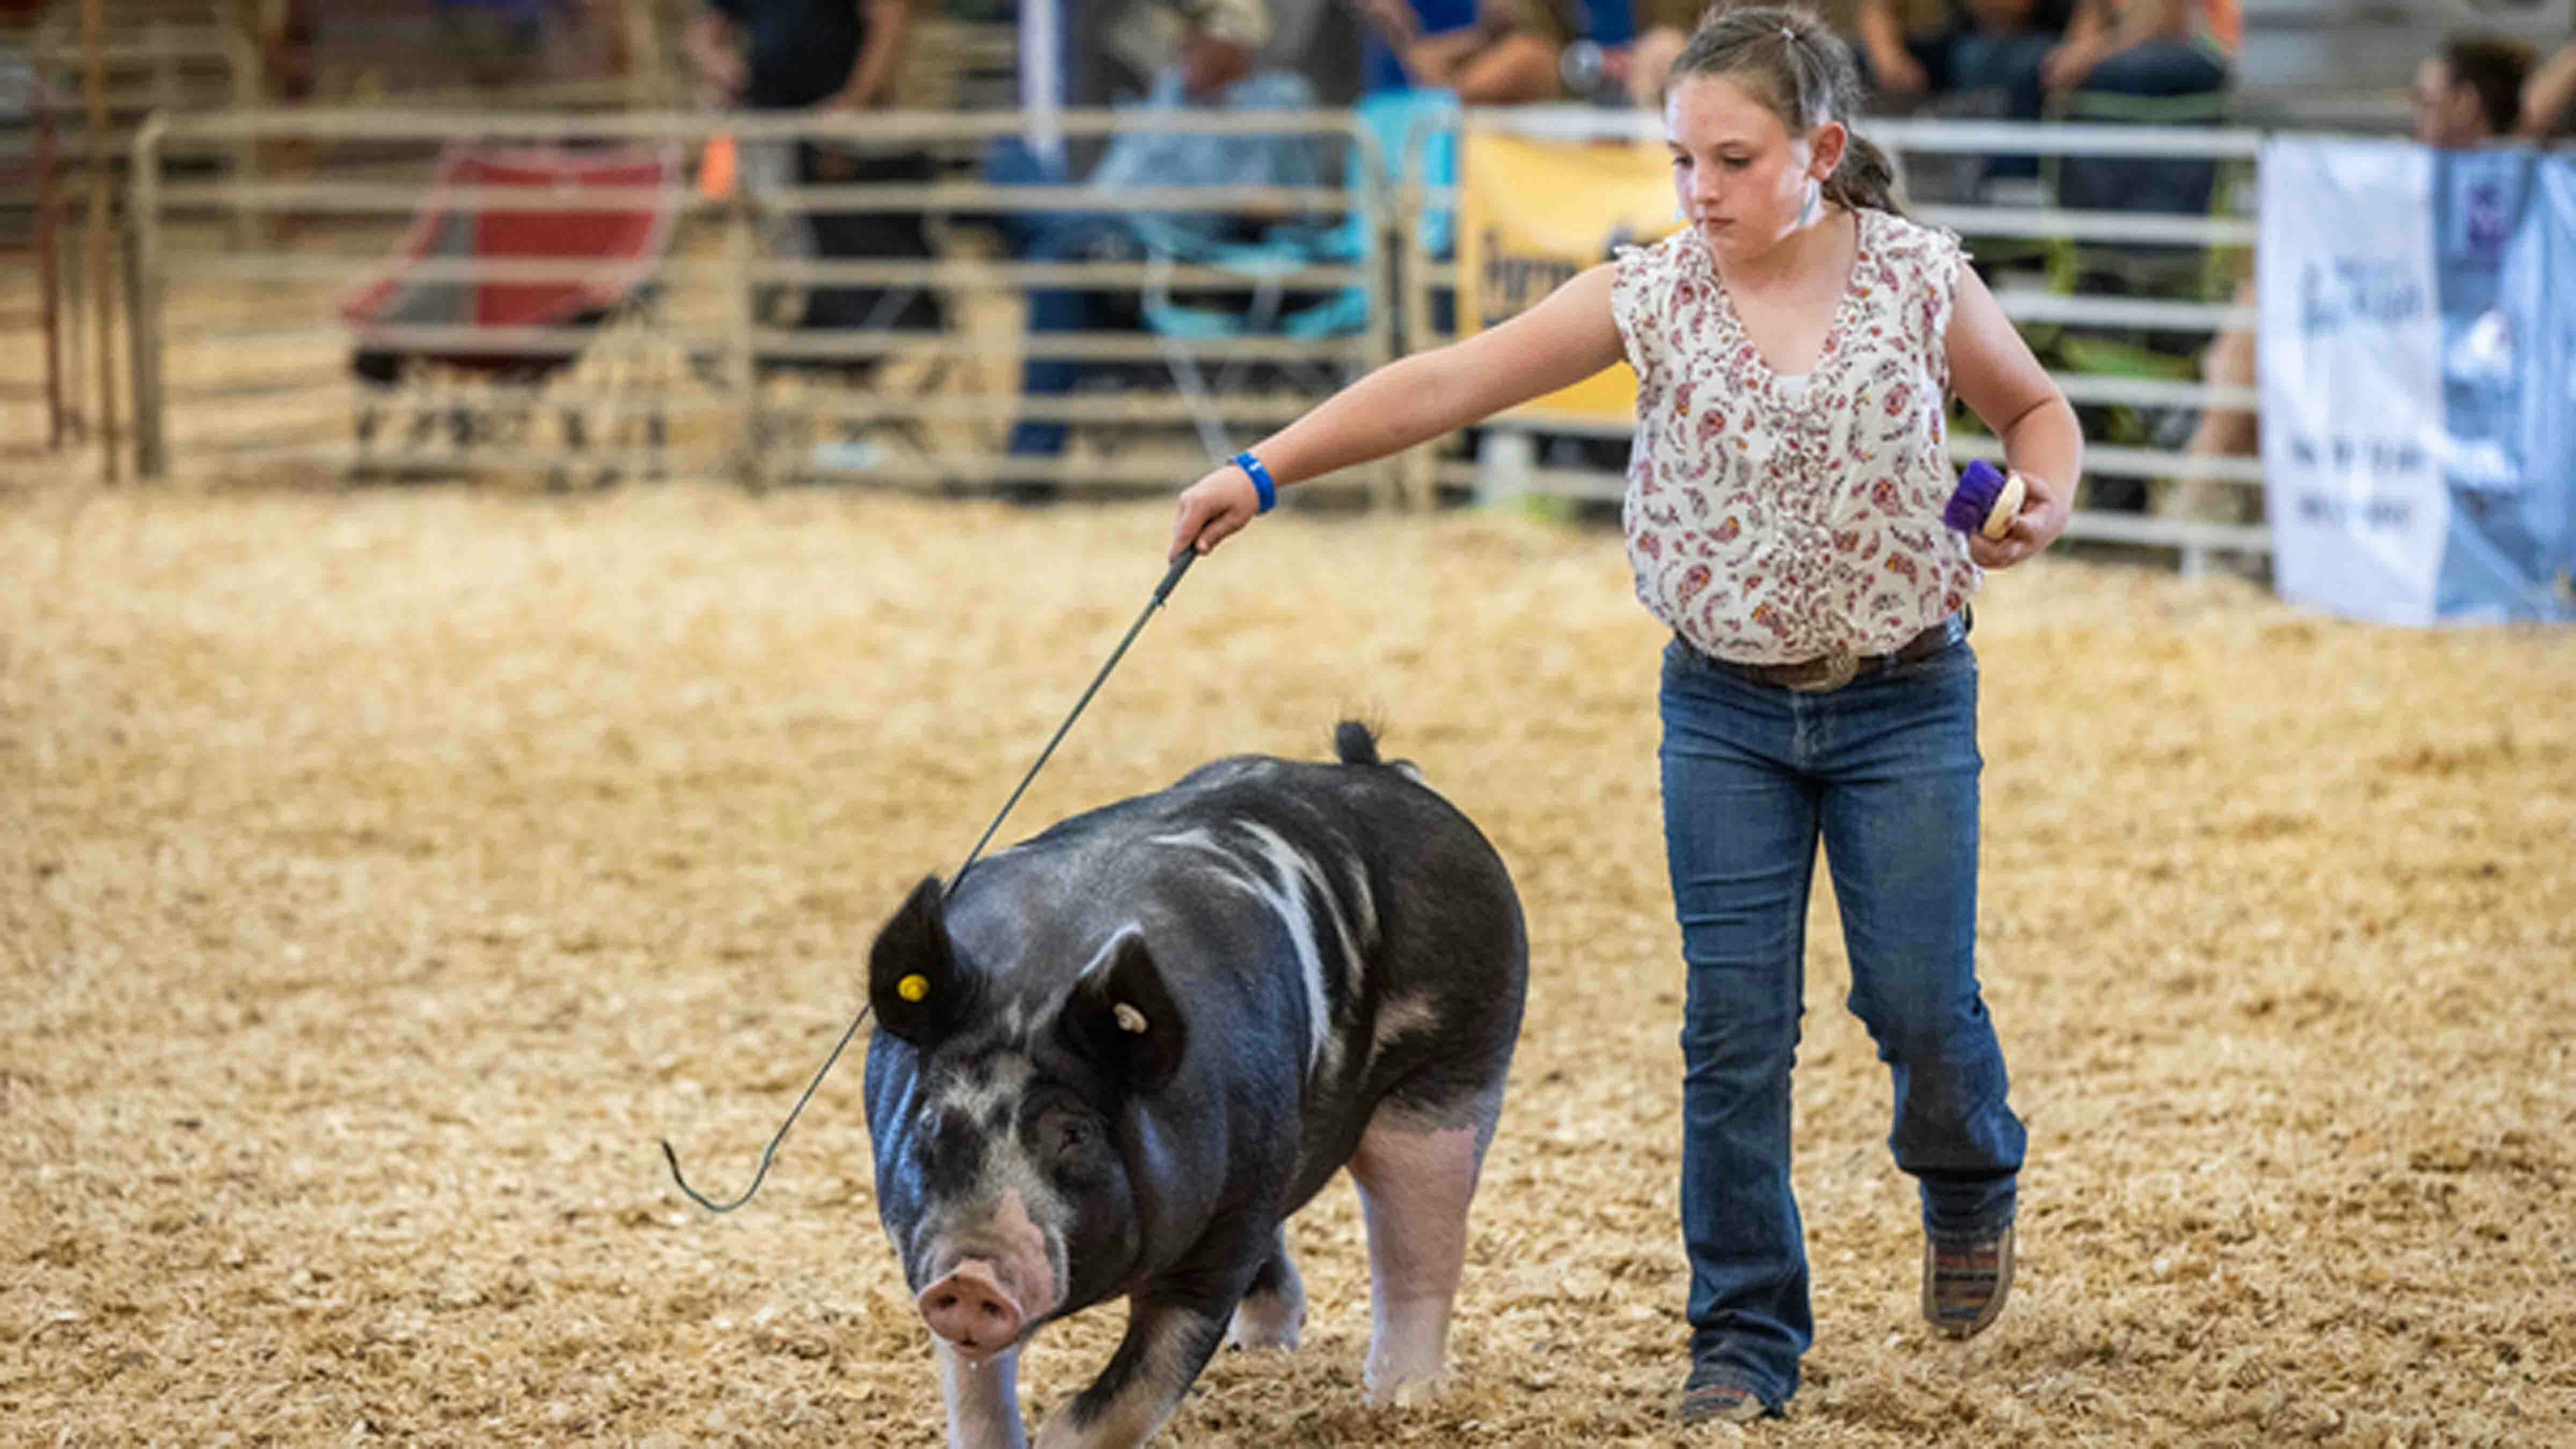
x=914, y=984
x=1121, y=1016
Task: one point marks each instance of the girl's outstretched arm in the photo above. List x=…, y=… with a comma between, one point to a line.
x=1993, y=372
x=1564, y=339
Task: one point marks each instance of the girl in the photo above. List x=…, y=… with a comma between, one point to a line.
x=1795, y=346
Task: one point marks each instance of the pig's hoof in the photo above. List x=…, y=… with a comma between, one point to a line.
x=1413, y=1393
x=1269, y=1321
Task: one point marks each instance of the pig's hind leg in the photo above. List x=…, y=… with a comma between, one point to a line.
x=1273, y=1309
x=1416, y=1172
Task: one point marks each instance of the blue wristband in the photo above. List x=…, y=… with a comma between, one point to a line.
x=1260, y=477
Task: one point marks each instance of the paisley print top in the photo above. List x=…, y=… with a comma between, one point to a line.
x=1770, y=524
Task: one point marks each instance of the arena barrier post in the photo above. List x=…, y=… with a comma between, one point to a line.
x=143, y=292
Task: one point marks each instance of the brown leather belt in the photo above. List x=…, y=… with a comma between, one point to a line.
x=1833, y=671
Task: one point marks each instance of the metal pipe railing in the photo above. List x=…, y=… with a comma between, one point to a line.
x=704, y=299
x=725, y=339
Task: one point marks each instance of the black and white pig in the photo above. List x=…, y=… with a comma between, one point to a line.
x=1120, y=1054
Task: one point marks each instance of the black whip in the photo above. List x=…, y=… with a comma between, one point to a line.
x=1162, y=591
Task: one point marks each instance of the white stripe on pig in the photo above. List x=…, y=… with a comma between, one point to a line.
x=1290, y=872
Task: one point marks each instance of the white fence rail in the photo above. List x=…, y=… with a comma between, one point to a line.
x=240, y=359
x=692, y=369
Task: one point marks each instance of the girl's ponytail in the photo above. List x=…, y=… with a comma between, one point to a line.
x=1863, y=178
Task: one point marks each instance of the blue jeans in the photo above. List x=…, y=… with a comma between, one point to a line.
x=2158, y=68
x=1883, y=772
x=2007, y=63
x=1061, y=236
x=1070, y=237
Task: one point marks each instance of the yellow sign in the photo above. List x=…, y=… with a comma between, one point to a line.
x=1531, y=214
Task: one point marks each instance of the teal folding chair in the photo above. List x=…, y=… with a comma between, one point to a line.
x=1373, y=176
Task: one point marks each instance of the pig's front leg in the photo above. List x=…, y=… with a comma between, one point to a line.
x=1167, y=1344
x=983, y=1398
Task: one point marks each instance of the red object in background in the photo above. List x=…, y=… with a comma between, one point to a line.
x=622, y=239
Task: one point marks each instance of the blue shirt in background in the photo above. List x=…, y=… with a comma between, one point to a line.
x=1379, y=70
x=1199, y=158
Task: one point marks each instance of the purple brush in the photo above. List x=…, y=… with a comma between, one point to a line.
x=1987, y=502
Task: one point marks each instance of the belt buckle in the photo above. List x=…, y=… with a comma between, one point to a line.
x=1839, y=668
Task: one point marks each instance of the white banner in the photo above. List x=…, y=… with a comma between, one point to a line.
x=2350, y=355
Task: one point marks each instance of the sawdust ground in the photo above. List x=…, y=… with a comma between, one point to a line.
x=382, y=874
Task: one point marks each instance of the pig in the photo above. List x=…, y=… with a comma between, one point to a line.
x=1116, y=1057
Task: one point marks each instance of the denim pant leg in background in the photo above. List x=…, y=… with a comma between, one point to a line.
x=2008, y=64
x=1753, y=778
x=1074, y=236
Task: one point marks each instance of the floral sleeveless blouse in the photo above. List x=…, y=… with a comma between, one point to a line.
x=1771, y=522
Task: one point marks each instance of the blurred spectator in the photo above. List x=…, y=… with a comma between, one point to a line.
x=1664, y=25
x=1507, y=57
x=2164, y=62
x=1650, y=57
x=1959, y=59
x=1123, y=45
x=1594, y=62
x=497, y=41
x=1963, y=47
x=2146, y=48
x=1117, y=51
x=1318, y=40
x=2549, y=99
x=1380, y=70
x=784, y=55
x=1209, y=71
x=772, y=55
x=1109, y=53
x=2468, y=92
x=345, y=53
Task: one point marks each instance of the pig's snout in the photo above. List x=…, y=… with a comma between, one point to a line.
x=971, y=1308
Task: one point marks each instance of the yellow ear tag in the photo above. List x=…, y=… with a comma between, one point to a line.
x=912, y=988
